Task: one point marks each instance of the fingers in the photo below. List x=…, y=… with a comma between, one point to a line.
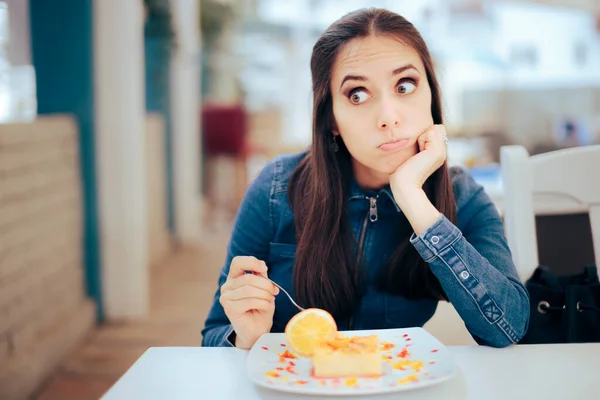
x=433, y=138
x=241, y=286
x=241, y=264
x=249, y=292
x=243, y=306
x=252, y=280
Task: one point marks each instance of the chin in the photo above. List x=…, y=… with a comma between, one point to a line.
x=391, y=164
x=388, y=169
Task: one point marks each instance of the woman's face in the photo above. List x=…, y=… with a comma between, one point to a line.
x=381, y=104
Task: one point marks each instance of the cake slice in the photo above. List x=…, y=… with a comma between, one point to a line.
x=347, y=357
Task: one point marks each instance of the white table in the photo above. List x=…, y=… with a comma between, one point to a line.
x=570, y=371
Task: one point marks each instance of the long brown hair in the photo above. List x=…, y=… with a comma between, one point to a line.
x=326, y=270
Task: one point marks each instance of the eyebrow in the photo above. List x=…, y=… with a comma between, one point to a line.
x=395, y=72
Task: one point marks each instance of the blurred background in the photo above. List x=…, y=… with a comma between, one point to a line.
x=130, y=129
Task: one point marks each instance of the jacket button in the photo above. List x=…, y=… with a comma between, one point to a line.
x=435, y=240
x=464, y=274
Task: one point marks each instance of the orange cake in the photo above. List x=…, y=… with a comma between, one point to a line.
x=347, y=357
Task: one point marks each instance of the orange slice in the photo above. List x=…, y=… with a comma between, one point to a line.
x=308, y=328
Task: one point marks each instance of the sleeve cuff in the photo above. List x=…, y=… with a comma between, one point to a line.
x=229, y=337
x=219, y=336
x=436, y=238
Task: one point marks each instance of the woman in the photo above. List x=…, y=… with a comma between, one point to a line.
x=369, y=224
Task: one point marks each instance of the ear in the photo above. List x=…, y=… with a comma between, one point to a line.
x=335, y=132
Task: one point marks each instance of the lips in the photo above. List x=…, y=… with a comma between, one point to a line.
x=395, y=145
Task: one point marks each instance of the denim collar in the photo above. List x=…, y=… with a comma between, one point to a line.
x=356, y=193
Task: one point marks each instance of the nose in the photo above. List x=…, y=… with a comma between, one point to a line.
x=388, y=115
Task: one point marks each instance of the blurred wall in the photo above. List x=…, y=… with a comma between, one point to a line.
x=19, y=45
x=159, y=235
x=503, y=111
x=44, y=311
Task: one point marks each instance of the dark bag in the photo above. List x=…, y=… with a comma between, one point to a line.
x=564, y=309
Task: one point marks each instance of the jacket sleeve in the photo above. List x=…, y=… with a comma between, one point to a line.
x=250, y=237
x=475, y=267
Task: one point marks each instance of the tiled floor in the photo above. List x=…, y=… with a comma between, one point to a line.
x=182, y=289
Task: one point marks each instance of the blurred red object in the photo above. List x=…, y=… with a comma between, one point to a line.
x=224, y=129
x=225, y=137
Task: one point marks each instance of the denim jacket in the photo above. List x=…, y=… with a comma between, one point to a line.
x=471, y=259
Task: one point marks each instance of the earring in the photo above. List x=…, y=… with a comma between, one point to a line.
x=334, y=144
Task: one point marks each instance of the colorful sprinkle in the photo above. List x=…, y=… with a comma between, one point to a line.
x=285, y=378
x=402, y=365
x=417, y=366
x=282, y=345
x=265, y=348
x=408, y=339
x=387, y=346
x=272, y=374
x=301, y=382
x=290, y=369
x=405, y=335
x=432, y=362
x=322, y=383
x=403, y=353
x=286, y=355
x=434, y=351
x=410, y=378
x=351, y=382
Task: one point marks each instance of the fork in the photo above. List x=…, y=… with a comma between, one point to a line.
x=283, y=290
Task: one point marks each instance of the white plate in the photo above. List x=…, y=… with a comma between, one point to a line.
x=268, y=369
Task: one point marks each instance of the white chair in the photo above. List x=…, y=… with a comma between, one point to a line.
x=555, y=183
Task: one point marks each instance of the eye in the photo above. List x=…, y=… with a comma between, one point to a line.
x=406, y=86
x=358, y=96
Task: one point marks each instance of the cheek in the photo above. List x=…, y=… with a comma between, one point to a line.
x=417, y=115
x=354, y=127
x=419, y=124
